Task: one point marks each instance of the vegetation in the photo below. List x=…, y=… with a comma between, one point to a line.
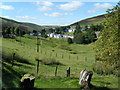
x=78, y=35
x=94, y=20
x=25, y=63
x=70, y=41
x=20, y=54
x=107, y=46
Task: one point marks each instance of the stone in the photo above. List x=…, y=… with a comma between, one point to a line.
x=85, y=77
x=27, y=81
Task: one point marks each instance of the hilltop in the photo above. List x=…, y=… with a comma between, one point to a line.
x=89, y=21
x=23, y=25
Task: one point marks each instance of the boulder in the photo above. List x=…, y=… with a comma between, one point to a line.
x=85, y=77
x=27, y=81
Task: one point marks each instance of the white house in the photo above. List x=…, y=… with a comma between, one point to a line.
x=68, y=36
x=52, y=35
x=57, y=36
x=69, y=30
x=31, y=34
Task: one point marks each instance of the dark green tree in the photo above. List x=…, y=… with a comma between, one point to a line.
x=8, y=30
x=17, y=31
x=70, y=41
x=35, y=32
x=78, y=35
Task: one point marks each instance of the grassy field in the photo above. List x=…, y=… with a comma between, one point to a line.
x=77, y=57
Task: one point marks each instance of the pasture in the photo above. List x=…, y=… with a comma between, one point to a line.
x=75, y=56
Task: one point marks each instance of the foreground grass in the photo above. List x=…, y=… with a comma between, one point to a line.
x=26, y=51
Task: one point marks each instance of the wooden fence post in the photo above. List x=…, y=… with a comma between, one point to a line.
x=85, y=59
x=56, y=70
x=13, y=57
x=69, y=56
x=37, y=66
x=68, y=72
x=62, y=56
x=77, y=57
x=56, y=54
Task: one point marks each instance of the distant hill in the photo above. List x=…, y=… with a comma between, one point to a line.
x=30, y=26
x=89, y=21
x=22, y=25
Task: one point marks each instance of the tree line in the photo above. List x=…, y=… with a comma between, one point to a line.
x=87, y=34
x=9, y=32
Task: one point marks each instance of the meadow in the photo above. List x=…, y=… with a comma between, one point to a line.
x=75, y=56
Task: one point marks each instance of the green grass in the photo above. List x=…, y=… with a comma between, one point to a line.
x=26, y=63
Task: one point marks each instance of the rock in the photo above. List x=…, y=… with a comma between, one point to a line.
x=27, y=81
x=85, y=77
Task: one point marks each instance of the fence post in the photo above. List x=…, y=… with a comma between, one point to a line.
x=56, y=70
x=13, y=57
x=62, y=56
x=85, y=59
x=77, y=57
x=68, y=72
x=37, y=66
x=56, y=54
x=69, y=56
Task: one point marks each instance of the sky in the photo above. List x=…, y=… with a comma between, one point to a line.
x=53, y=13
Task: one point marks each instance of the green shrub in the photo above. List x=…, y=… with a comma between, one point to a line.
x=70, y=41
x=103, y=68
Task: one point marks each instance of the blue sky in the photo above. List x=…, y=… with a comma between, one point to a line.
x=53, y=13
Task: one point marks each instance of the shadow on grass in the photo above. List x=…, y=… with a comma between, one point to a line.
x=93, y=87
x=8, y=58
x=10, y=77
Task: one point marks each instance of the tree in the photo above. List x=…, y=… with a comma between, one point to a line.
x=78, y=35
x=35, y=32
x=12, y=30
x=8, y=30
x=70, y=41
x=107, y=46
x=17, y=31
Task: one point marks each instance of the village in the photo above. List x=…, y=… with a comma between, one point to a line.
x=68, y=33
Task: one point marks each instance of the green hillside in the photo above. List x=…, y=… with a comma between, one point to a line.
x=75, y=56
x=89, y=21
x=23, y=25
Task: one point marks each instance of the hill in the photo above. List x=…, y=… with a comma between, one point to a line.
x=89, y=21
x=23, y=25
x=30, y=26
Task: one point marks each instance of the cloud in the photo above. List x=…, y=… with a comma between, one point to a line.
x=5, y=7
x=45, y=5
x=57, y=14
x=26, y=17
x=44, y=8
x=99, y=7
x=74, y=5
x=6, y=16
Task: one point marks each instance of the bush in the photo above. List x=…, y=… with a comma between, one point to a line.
x=103, y=68
x=70, y=41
